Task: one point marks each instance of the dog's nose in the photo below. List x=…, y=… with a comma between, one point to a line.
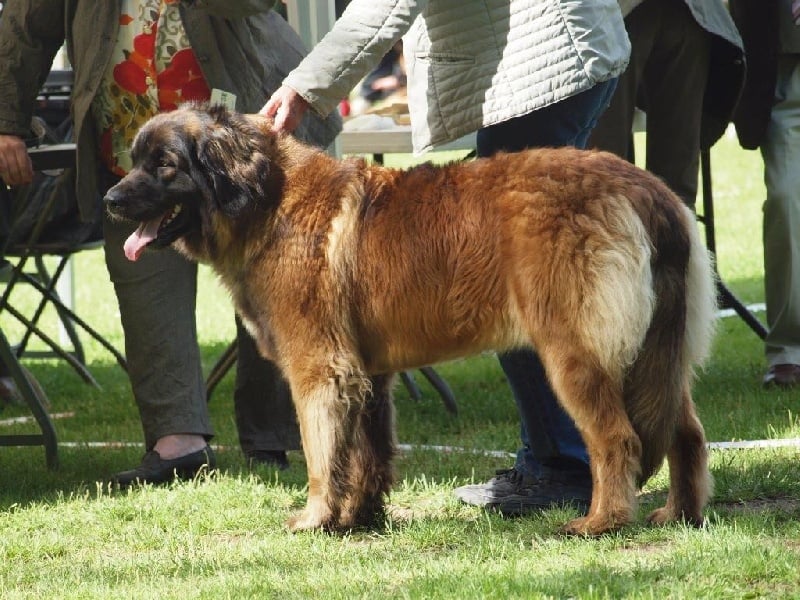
x=112, y=199
x=113, y=195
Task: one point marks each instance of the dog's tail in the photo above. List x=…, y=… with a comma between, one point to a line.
x=679, y=338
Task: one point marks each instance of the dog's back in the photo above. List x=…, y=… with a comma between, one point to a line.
x=544, y=241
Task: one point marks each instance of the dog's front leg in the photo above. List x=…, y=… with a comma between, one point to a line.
x=321, y=423
x=328, y=407
x=371, y=473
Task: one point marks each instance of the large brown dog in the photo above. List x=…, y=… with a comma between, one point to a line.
x=346, y=272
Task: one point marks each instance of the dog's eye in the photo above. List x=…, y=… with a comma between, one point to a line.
x=166, y=172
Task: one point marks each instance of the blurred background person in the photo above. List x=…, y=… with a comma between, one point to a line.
x=768, y=118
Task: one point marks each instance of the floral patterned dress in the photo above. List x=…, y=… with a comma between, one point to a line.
x=153, y=69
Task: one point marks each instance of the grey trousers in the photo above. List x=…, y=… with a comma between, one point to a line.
x=781, y=153
x=157, y=299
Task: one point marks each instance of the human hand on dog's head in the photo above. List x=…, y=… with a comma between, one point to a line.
x=15, y=164
x=286, y=107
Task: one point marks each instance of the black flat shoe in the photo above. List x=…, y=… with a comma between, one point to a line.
x=155, y=469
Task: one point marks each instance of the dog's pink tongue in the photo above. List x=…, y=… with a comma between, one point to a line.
x=138, y=240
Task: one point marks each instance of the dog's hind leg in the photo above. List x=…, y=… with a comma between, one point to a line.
x=690, y=480
x=370, y=472
x=593, y=398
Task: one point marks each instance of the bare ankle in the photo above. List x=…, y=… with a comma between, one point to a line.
x=179, y=444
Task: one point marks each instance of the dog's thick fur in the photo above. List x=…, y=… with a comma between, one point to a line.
x=346, y=272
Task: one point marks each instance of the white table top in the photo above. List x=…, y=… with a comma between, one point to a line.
x=376, y=134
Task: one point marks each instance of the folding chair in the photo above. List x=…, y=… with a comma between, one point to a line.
x=30, y=391
x=33, y=397
x=30, y=251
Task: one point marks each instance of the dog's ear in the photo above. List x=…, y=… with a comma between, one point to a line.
x=234, y=161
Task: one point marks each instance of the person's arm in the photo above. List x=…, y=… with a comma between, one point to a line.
x=31, y=32
x=359, y=39
x=15, y=164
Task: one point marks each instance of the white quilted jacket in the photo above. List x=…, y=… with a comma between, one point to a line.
x=470, y=63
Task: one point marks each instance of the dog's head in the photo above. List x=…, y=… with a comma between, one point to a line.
x=197, y=172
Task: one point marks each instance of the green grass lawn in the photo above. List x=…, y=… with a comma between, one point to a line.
x=66, y=534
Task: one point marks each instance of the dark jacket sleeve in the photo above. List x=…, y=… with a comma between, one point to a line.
x=725, y=84
x=237, y=9
x=31, y=32
x=757, y=21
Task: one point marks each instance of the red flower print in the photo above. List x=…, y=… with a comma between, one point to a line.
x=144, y=43
x=183, y=75
x=185, y=60
x=168, y=99
x=196, y=89
x=131, y=77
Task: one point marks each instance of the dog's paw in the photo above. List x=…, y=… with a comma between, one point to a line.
x=591, y=526
x=660, y=516
x=306, y=520
x=664, y=515
x=370, y=513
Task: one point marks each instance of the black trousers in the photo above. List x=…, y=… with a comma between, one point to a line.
x=666, y=77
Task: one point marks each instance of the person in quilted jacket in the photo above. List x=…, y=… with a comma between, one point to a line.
x=522, y=73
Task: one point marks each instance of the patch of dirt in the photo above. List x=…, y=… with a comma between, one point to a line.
x=786, y=504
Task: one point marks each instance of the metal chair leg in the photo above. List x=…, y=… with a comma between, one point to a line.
x=224, y=364
x=72, y=316
x=36, y=405
x=411, y=385
x=228, y=358
x=441, y=386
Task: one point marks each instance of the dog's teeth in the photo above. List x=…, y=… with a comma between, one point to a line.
x=175, y=210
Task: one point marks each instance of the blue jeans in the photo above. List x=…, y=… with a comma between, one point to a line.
x=551, y=445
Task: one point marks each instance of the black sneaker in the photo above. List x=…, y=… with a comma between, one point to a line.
x=154, y=469
x=275, y=459
x=513, y=493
